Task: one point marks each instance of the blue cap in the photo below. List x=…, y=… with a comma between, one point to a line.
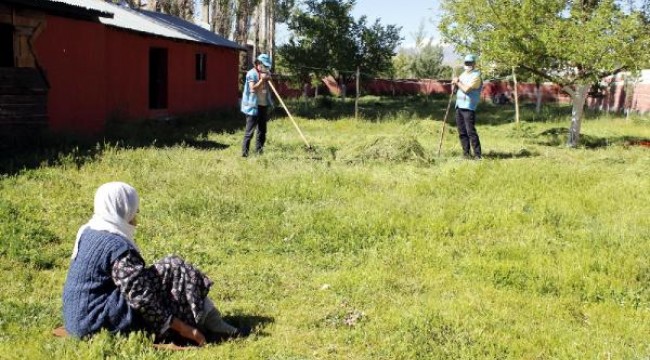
x=265, y=59
x=470, y=58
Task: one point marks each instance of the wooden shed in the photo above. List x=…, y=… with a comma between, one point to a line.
x=72, y=65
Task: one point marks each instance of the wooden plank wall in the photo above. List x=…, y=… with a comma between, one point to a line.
x=23, y=90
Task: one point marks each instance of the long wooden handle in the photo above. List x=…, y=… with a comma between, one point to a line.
x=288, y=113
x=444, y=121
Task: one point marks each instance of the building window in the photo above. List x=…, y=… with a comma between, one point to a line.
x=6, y=45
x=158, y=77
x=201, y=62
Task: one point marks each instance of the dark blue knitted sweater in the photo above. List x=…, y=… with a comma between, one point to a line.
x=91, y=300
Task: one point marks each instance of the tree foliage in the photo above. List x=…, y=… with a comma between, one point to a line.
x=564, y=41
x=223, y=14
x=283, y=9
x=428, y=63
x=182, y=8
x=401, y=65
x=266, y=15
x=425, y=61
x=326, y=39
x=571, y=43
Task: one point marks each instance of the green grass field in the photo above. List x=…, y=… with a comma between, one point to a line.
x=369, y=246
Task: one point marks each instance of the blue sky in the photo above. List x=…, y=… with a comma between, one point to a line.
x=408, y=14
x=405, y=13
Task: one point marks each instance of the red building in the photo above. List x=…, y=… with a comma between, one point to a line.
x=91, y=62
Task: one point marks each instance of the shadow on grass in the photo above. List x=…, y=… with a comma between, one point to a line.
x=558, y=137
x=205, y=145
x=553, y=137
x=50, y=149
x=255, y=322
x=594, y=142
x=523, y=153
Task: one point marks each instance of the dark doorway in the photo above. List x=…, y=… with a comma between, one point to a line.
x=6, y=45
x=157, y=78
x=201, y=62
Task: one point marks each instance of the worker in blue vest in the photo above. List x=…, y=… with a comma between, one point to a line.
x=256, y=98
x=469, y=85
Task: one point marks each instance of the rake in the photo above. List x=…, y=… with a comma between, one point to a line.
x=288, y=113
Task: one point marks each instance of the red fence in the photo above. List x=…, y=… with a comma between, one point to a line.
x=611, y=97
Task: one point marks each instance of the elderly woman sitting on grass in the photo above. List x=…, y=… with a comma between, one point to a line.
x=109, y=287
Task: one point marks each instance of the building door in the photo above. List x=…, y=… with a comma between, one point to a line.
x=157, y=78
x=6, y=45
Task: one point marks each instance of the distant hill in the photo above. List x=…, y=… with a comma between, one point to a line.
x=448, y=52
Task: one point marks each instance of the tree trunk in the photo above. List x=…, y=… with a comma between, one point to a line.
x=514, y=78
x=222, y=17
x=242, y=21
x=242, y=26
x=186, y=8
x=257, y=30
x=264, y=27
x=538, y=94
x=578, y=98
x=134, y=4
x=630, y=96
x=271, y=31
x=205, y=11
x=181, y=8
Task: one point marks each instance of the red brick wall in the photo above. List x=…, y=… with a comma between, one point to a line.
x=611, y=98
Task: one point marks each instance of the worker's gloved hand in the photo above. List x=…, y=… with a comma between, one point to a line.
x=265, y=76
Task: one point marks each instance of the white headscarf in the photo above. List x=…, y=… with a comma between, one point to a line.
x=116, y=204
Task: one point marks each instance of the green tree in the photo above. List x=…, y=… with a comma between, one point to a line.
x=426, y=62
x=223, y=16
x=182, y=8
x=136, y=4
x=571, y=43
x=326, y=39
x=267, y=14
x=422, y=61
x=243, y=15
x=401, y=65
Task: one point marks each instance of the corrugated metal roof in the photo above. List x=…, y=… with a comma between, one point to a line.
x=58, y=7
x=149, y=22
x=84, y=4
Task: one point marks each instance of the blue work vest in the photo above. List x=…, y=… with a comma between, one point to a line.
x=470, y=99
x=248, y=98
